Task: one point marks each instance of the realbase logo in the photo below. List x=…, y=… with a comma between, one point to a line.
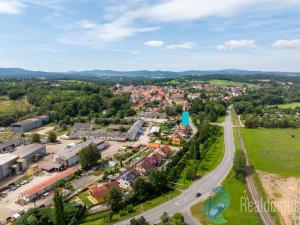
x=215, y=206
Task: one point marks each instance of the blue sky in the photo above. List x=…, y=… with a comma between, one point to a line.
x=63, y=35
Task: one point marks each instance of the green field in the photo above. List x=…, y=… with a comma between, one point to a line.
x=8, y=106
x=274, y=150
x=234, y=215
x=228, y=83
x=289, y=105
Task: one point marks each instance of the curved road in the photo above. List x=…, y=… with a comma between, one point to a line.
x=183, y=202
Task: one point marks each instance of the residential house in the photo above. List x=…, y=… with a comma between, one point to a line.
x=144, y=167
x=153, y=145
x=99, y=192
x=176, y=139
x=155, y=159
x=127, y=179
x=165, y=151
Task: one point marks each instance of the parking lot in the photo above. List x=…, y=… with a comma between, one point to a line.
x=8, y=205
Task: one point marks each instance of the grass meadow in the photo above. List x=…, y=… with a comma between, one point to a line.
x=274, y=150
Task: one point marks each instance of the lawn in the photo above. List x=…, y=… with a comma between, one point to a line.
x=8, y=106
x=84, y=198
x=274, y=150
x=99, y=218
x=291, y=105
x=228, y=83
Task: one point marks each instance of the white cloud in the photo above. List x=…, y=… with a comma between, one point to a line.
x=287, y=43
x=134, y=16
x=92, y=34
x=236, y=44
x=11, y=7
x=135, y=52
x=154, y=43
x=184, y=45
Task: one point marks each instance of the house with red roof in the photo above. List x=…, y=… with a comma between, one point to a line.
x=99, y=192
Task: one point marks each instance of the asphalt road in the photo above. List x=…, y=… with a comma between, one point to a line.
x=183, y=202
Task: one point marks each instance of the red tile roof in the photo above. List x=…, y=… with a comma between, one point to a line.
x=49, y=182
x=101, y=190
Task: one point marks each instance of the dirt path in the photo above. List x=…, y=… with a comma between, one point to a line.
x=284, y=192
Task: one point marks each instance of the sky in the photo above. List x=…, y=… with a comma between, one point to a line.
x=177, y=35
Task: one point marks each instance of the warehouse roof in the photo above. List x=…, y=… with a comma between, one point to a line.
x=31, y=120
x=26, y=150
x=7, y=157
x=47, y=183
x=70, y=152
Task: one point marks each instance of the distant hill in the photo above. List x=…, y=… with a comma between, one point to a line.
x=18, y=72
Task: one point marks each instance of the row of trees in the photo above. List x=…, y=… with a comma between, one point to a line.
x=66, y=100
x=177, y=219
x=60, y=214
x=143, y=189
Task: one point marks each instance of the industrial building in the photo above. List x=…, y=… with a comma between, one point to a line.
x=135, y=130
x=29, y=124
x=9, y=145
x=30, y=152
x=19, y=160
x=46, y=185
x=69, y=156
x=6, y=161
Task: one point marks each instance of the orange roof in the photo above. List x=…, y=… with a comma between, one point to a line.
x=101, y=190
x=153, y=145
x=45, y=184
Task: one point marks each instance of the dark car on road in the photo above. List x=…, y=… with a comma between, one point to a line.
x=198, y=194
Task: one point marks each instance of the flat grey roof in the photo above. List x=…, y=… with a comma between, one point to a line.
x=7, y=157
x=26, y=150
x=70, y=152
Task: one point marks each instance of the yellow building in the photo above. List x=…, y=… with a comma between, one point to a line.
x=33, y=170
x=99, y=192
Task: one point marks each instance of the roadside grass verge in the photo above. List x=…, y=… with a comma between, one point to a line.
x=101, y=218
x=234, y=214
x=238, y=192
x=212, y=158
x=270, y=149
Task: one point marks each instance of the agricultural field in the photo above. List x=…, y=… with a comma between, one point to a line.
x=291, y=105
x=274, y=150
x=8, y=106
x=230, y=83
